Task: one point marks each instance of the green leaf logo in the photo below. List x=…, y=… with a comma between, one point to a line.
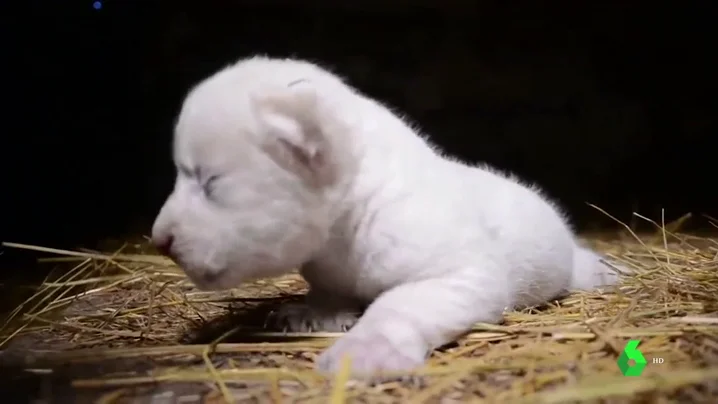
x=631, y=352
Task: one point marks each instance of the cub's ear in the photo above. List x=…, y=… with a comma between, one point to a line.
x=290, y=119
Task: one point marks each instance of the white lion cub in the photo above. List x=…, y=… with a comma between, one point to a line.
x=281, y=165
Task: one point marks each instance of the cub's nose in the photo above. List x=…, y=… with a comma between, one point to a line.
x=163, y=244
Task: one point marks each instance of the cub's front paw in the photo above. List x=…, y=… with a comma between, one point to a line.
x=371, y=354
x=301, y=317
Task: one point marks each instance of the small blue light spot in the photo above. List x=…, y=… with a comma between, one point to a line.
x=97, y=5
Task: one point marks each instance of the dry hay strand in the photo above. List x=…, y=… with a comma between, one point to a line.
x=129, y=327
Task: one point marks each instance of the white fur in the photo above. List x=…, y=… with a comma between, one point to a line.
x=309, y=173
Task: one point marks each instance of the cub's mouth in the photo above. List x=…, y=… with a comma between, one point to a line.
x=203, y=276
x=208, y=280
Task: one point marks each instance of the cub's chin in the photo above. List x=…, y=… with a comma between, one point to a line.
x=231, y=277
x=209, y=280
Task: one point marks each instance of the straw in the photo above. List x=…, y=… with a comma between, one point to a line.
x=120, y=321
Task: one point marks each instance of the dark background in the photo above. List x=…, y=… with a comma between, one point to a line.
x=609, y=102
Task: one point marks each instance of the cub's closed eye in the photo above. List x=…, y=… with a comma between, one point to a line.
x=209, y=184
